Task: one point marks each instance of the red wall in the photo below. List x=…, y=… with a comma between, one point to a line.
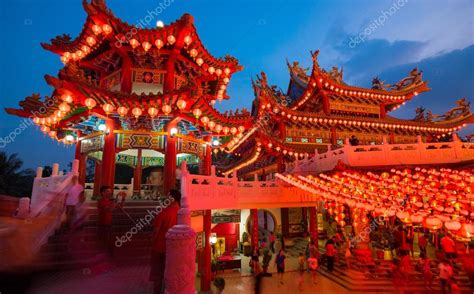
x=230, y=231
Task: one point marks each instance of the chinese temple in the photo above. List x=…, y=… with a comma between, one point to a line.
x=136, y=97
x=320, y=111
x=321, y=151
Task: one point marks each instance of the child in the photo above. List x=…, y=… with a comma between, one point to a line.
x=313, y=266
x=280, y=264
x=301, y=261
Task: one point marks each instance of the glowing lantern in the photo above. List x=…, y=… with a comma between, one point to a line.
x=466, y=231
x=197, y=112
x=218, y=128
x=36, y=120
x=233, y=130
x=181, y=104
x=134, y=43
x=91, y=41
x=211, y=124
x=187, y=40
x=64, y=107
x=107, y=29
x=241, y=129
x=67, y=98
x=137, y=111
x=52, y=134
x=199, y=61
x=45, y=129
x=433, y=223
x=193, y=52
x=225, y=130
x=166, y=109
x=159, y=44
x=146, y=46
x=227, y=71
x=452, y=225
x=122, y=111
x=218, y=72
x=152, y=111
x=205, y=120
x=211, y=70
x=86, y=49
x=416, y=218
x=96, y=29
x=171, y=39
x=108, y=108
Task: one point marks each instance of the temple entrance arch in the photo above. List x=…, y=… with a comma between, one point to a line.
x=267, y=223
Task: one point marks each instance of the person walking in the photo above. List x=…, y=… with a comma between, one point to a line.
x=445, y=273
x=280, y=264
x=301, y=262
x=162, y=223
x=272, y=240
x=73, y=198
x=313, y=267
x=330, y=254
x=422, y=243
x=105, y=207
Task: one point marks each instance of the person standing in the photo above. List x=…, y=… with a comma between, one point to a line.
x=313, y=267
x=445, y=273
x=162, y=223
x=330, y=254
x=448, y=246
x=105, y=207
x=73, y=198
x=272, y=240
x=422, y=243
x=280, y=264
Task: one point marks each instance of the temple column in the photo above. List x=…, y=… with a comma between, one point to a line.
x=304, y=212
x=108, y=156
x=325, y=101
x=254, y=214
x=313, y=224
x=170, y=159
x=383, y=112
x=333, y=136
x=205, y=260
x=392, y=138
x=126, y=79
x=137, y=174
x=206, y=254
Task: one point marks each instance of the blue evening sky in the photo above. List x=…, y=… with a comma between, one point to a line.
x=395, y=36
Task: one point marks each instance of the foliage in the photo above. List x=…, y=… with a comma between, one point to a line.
x=219, y=283
x=14, y=180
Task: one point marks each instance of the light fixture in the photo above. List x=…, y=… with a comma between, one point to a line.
x=69, y=138
x=160, y=24
x=215, y=142
x=102, y=127
x=213, y=238
x=173, y=132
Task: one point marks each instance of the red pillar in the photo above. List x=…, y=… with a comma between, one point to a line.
x=137, y=175
x=305, y=219
x=126, y=79
x=97, y=178
x=206, y=254
x=170, y=160
x=254, y=214
x=207, y=222
x=383, y=112
x=313, y=224
x=326, y=108
x=108, y=156
x=392, y=138
x=280, y=164
x=333, y=136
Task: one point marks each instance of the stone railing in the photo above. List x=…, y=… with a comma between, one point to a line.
x=213, y=192
x=386, y=155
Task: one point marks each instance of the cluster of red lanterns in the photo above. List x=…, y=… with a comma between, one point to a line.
x=433, y=198
x=299, y=117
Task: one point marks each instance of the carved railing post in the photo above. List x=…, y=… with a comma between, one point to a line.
x=55, y=170
x=39, y=172
x=181, y=247
x=457, y=147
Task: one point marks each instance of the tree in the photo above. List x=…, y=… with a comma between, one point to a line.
x=14, y=180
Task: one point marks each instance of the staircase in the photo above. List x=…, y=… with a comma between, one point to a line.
x=82, y=248
x=379, y=280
